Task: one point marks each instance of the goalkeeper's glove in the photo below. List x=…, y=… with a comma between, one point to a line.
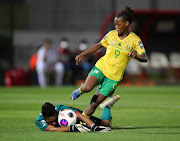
x=79, y=128
x=96, y=128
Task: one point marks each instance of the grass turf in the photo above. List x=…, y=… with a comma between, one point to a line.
x=142, y=113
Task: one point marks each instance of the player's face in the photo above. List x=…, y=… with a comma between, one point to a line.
x=52, y=120
x=120, y=25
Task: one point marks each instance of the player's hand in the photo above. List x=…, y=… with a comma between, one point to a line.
x=101, y=129
x=79, y=58
x=79, y=128
x=133, y=54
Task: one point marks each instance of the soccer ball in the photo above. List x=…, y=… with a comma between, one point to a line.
x=67, y=118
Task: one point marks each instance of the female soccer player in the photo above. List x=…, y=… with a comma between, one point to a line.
x=48, y=120
x=121, y=45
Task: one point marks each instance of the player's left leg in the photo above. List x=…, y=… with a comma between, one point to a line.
x=92, y=107
x=106, y=89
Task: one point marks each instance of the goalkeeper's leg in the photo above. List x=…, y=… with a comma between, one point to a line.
x=106, y=117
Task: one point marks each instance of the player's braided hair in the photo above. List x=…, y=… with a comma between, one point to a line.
x=127, y=14
x=48, y=110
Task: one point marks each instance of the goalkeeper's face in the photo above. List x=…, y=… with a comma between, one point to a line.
x=121, y=25
x=52, y=120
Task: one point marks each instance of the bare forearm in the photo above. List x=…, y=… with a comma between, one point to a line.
x=84, y=118
x=92, y=49
x=142, y=58
x=57, y=129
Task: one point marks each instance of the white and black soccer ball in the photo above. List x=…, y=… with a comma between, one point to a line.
x=67, y=118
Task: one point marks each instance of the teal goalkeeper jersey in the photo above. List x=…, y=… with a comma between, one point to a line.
x=41, y=122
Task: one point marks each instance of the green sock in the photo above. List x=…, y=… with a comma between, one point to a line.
x=106, y=114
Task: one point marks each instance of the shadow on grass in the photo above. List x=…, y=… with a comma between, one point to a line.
x=151, y=127
x=144, y=127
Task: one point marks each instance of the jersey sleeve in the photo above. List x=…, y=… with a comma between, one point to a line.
x=104, y=42
x=139, y=47
x=41, y=123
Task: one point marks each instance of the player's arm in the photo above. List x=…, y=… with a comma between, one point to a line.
x=92, y=49
x=91, y=124
x=84, y=118
x=141, y=57
x=72, y=128
x=57, y=129
x=138, y=52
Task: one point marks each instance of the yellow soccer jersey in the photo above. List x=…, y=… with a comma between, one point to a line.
x=114, y=62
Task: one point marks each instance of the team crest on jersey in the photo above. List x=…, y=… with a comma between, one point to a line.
x=141, y=44
x=43, y=122
x=128, y=47
x=96, y=71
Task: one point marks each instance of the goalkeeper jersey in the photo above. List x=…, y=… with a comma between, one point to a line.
x=114, y=62
x=41, y=122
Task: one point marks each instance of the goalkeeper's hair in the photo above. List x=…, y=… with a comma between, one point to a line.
x=127, y=14
x=48, y=110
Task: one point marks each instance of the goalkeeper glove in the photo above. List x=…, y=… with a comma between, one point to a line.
x=96, y=128
x=79, y=128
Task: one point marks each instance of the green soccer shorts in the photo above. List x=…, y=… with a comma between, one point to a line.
x=106, y=86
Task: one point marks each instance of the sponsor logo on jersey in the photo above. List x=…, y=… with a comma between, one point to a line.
x=119, y=44
x=141, y=44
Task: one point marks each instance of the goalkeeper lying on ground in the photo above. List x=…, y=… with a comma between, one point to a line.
x=47, y=120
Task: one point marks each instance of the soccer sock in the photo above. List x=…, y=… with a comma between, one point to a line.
x=80, y=90
x=106, y=114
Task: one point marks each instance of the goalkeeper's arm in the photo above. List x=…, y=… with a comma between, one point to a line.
x=91, y=124
x=71, y=128
x=57, y=129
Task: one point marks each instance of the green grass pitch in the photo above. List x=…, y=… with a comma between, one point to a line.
x=142, y=114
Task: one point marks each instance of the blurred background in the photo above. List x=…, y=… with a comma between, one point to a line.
x=71, y=26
